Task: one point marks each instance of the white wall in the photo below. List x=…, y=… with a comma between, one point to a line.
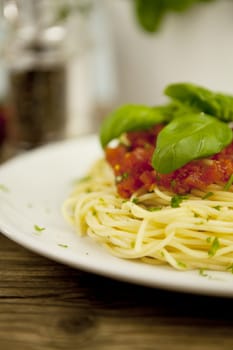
x=195, y=46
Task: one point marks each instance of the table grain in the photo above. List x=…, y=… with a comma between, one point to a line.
x=45, y=305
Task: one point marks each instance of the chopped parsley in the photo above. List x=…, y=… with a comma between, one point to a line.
x=154, y=208
x=63, y=245
x=229, y=183
x=124, y=201
x=162, y=254
x=176, y=200
x=208, y=195
x=82, y=179
x=214, y=247
x=217, y=207
x=203, y=273
x=181, y=264
x=135, y=200
x=39, y=228
x=230, y=268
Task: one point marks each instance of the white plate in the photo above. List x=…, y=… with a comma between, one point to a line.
x=33, y=187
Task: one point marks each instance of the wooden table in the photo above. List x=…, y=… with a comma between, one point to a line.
x=45, y=305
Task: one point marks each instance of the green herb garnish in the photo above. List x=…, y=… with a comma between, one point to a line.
x=82, y=179
x=135, y=200
x=154, y=208
x=129, y=118
x=101, y=201
x=177, y=199
x=188, y=137
x=230, y=268
x=229, y=183
x=217, y=207
x=39, y=228
x=181, y=264
x=208, y=195
x=214, y=247
x=63, y=245
x=212, y=103
x=203, y=273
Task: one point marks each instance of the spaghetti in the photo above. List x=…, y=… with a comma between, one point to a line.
x=193, y=231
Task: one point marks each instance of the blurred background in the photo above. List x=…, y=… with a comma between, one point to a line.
x=64, y=65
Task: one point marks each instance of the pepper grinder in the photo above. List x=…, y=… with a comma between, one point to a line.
x=37, y=66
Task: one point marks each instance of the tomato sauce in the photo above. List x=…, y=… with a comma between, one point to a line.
x=132, y=167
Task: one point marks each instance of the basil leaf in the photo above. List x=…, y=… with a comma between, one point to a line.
x=186, y=139
x=131, y=118
x=215, y=104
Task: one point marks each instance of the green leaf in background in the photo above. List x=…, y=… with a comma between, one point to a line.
x=181, y=5
x=187, y=138
x=150, y=13
x=215, y=104
x=131, y=118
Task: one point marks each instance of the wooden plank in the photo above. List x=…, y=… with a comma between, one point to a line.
x=45, y=305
